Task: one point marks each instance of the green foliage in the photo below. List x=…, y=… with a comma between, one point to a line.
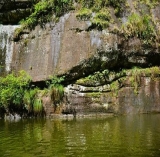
x=117, y=5
x=114, y=87
x=17, y=96
x=29, y=98
x=101, y=19
x=97, y=5
x=98, y=11
x=84, y=14
x=139, y=26
x=101, y=78
x=56, y=89
x=43, y=11
x=150, y=3
x=57, y=93
x=12, y=89
x=117, y=80
x=94, y=95
x=56, y=80
x=32, y=101
x=37, y=106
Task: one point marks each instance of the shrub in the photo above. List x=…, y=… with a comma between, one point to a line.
x=101, y=19
x=56, y=89
x=37, y=106
x=43, y=11
x=12, y=89
x=29, y=97
x=139, y=26
x=84, y=14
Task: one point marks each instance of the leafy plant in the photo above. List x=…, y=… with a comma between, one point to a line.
x=56, y=80
x=29, y=97
x=101, y=19
x=12, y=89
x=37, y=106
x=84, y=14
x=139, y=26
x=57, y=93
x=56, y=89
x=43, y=10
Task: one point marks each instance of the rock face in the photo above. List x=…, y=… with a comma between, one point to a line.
x=70, y=49
x=77, y=54
x=123, y=101
x=12, y=11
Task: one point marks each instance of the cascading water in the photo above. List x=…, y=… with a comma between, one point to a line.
x=6, y=47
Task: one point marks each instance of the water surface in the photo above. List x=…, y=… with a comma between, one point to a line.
x=133, y=135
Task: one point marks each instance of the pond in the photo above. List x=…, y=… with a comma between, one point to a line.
x=122, y=136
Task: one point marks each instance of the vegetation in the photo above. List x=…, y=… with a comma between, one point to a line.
x=96, y=5
x=139, y=26
x=32, y=102
x=17, y=96
x=117, y=79
x=84, y=14
x=38, y=106
x=56, y=89
x=101, y=19
x=101, y=78
x=43, y=11
x=101, y=14
x=150, y=3
x=50, y=10
x=98, y=11
x=12, y=89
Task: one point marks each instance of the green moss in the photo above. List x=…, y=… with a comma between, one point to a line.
x=94, y=94
x=43, y=12
x=101, y=78
x=84, y=14
x=101, y=19
x=26, y=42
x=118, y=79
x=150, y=3
x=139, y=26
x=97, y=5
x=98, y=11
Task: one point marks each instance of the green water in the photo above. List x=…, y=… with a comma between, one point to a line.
x=124, y=136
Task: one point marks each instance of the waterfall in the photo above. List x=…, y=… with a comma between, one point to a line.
x=6, y=46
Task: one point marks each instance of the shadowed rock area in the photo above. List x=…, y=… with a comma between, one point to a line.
x=12, y=11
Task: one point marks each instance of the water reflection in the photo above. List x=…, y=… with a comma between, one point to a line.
x=136, y=135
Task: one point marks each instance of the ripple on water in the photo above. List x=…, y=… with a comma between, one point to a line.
x=118, y=136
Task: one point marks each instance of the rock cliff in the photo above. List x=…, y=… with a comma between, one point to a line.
x=78, y=49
